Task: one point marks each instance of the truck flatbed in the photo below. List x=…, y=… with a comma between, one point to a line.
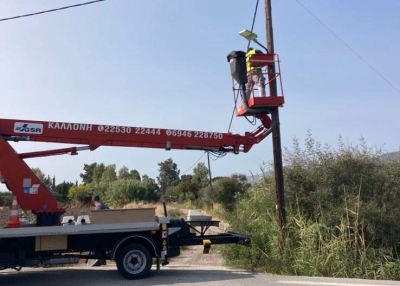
x=33, y=230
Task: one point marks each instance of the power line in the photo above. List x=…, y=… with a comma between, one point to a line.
x=193, y=164
x=233, y=112
x=248, y=45
x=254, y=20
x=51, y=10
x=348, y=46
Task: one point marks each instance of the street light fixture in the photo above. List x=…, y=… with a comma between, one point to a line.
x=248, y=35
x=252, y=37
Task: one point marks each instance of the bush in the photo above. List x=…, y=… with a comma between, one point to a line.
x=122, y=192
x=6, y=199
x=306, y=247
x=342, y=209
x=320, y=181
x=255, y=216
x=78, y=194
x=224, y=191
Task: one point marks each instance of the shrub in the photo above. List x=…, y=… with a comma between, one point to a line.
x=224, y=191
x=342, y=209
x=78, y=194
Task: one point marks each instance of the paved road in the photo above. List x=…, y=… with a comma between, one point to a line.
x=170, y=275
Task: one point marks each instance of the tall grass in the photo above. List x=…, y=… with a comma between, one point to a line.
x=343, y=208
x=311, y=247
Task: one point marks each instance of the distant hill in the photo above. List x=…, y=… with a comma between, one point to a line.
x=390, y=155
x=255, y=178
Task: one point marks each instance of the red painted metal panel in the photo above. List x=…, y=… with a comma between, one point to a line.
x=269, y=101
x=19, y=178
x=261, y=60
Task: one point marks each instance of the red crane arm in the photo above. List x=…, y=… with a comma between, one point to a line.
x=22, y=182
x=126, y=136
x=33, y=195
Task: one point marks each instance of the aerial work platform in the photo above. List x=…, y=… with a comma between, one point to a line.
x=269, y=67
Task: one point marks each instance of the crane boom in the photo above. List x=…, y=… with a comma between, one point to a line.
x=95, y=135
x=34, y=196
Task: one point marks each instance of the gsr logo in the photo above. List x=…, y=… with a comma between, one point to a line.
x=33, y=128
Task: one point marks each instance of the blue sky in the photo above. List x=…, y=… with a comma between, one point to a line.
x=163, y=64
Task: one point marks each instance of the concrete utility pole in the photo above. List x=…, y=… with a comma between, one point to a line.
x=276, y=133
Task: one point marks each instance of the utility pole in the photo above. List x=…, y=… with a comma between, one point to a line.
x=276, y=133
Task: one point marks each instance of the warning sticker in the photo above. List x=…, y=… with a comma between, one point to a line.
x=34, y=189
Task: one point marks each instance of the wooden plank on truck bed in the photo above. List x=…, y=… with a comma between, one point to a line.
x=123, y=215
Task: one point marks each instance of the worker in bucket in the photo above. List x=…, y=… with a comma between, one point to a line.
x=254, y=75
x=98, y=204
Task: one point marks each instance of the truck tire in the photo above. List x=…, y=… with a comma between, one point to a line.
x=134, y=261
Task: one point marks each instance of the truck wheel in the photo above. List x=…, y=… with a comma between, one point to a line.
x=134, y=261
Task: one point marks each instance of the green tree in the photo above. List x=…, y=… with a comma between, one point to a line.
x=134, y=174
x=146, y=178
x=123, y=173
x=242, y=180
x=152, y=189
x=87, y=175
x=109, y=173
x=150, y=181
x=189, y=187
x=63, y=188
x=168, y=174
x=200, y=175
x=48, y=182
x=98, y=172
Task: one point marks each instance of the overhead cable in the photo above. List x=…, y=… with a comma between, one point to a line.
x=348, y=46
x=49, y=11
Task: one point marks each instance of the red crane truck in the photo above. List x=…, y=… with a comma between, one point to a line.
x=131, y=240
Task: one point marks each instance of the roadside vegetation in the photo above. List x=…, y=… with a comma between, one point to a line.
x=342, y=208
x=342, y=215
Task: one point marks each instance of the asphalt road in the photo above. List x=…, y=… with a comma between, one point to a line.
x=169, y=275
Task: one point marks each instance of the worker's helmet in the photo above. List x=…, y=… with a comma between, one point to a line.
x=96, y=198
